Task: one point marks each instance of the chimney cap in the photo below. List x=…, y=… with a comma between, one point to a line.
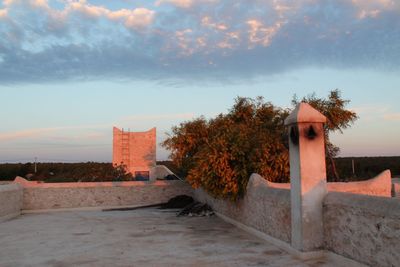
x=304, y=112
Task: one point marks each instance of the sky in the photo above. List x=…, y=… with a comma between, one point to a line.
x=71, y=70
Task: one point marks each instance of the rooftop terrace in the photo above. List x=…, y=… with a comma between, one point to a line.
x=147, y=237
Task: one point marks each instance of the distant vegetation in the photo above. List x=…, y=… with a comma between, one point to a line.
x=365, y=168
x=65, y=172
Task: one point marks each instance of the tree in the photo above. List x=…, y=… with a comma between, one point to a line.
x=220, y=154
x=185, y=142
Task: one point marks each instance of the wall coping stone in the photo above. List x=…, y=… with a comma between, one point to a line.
x=35, y=184
x=380, y=185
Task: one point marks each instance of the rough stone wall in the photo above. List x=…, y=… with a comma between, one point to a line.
x=10, y=201
x=79, y=195
x=396, y=187
x=363, y=228
x=140, y=146
x=264, y=209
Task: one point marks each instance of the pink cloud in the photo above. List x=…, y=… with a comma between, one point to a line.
x=178, y=3
x=152, y=42
x=3, y=13
x=184, y=3
x=139, y=18
x=260, y=34
x=87, y=9
x=158, y=117
x=135, y=19
x=24, y=134
x=373, y=8
x=40, y=132
x=207, y=22
x=392, y=117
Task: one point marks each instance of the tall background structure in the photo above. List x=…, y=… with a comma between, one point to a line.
x=137, y=151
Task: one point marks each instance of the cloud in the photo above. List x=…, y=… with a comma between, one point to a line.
x=136, y=18
x=40, y=132
x=86, y=131
x=207, y=22
x=158, y=117
x=377, y=112
x=24, y=134
x=259, y=34
x=371, y=110
x=373, y=8
x=178, y=3
x=392, y=117
x=44, y=41
x=139, y=18
x=184, y=3
x=3, y=13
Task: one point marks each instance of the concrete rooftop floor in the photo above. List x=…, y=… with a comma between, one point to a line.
x=147, y=237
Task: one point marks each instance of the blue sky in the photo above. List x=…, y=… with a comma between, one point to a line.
x=70, y=70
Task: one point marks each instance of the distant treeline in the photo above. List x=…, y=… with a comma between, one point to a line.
x=364, y=167
x=70, y=172
x=64, y=172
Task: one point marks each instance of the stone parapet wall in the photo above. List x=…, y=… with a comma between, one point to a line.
x=10, y=201
x=380, y=185
x=39, y=196
x=264, y=209
x=359, y=227
x=363, y=228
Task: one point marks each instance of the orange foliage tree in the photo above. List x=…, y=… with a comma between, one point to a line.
x=220, y=154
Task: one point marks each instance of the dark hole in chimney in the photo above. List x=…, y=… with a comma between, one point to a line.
x=311, y=134
x=294, y=135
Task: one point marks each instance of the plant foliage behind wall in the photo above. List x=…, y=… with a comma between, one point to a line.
x=220, y=154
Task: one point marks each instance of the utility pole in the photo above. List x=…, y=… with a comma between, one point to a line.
x=353, y=167
x=35, y=164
